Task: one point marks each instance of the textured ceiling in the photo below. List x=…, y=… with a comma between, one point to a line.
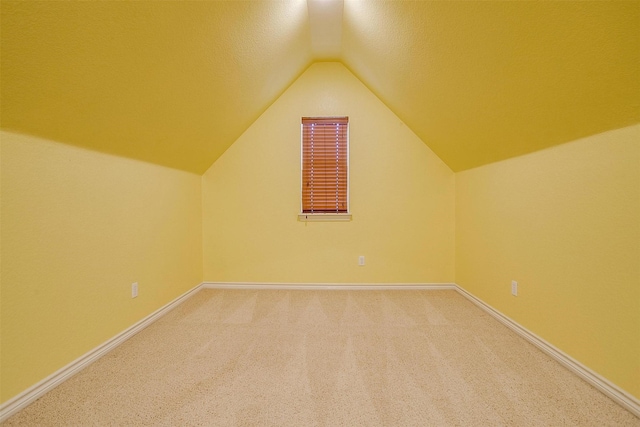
x=483, y=81
x=175, y=83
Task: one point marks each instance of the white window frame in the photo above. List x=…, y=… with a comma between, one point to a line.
x=326, y=216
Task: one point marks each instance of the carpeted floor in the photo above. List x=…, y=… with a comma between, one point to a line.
x=325, y=358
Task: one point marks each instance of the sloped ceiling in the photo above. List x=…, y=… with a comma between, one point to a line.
x=484, y=81
x=173, y=83
x=176, y=83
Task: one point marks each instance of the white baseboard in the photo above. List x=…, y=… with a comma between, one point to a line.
x=330, y=286
x=23, y=399
x=611, y=390
x=20, y=401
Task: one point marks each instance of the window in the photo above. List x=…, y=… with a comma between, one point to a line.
x=325, y=175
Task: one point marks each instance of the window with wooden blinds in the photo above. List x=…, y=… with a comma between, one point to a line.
x=325, y=164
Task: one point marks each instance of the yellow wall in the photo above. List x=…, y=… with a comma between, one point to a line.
x=402, y=197
x=78, y=227
x=565, y=224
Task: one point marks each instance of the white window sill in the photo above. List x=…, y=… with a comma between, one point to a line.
x=309, y=217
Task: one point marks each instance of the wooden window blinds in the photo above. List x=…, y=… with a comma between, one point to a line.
x=324, y=164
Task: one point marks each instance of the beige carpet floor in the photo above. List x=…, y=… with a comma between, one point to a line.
x=325, y=358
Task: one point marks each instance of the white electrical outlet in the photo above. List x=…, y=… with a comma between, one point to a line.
x=134, y=290
x=361, y=260
x=514, y=288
